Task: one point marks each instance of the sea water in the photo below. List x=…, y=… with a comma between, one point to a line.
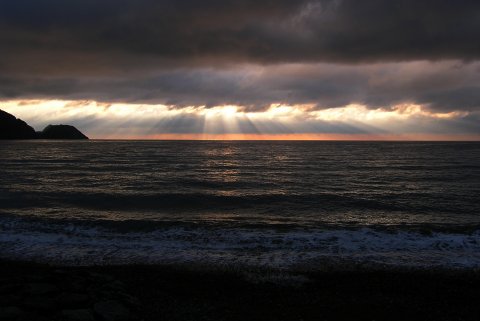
x=257, y=203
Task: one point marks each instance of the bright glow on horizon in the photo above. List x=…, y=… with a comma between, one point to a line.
x=147, y=121
x=362, y=113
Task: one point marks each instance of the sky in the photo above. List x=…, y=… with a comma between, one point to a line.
x=244, y=69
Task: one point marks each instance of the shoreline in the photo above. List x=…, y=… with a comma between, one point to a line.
x=189, y=292
x=143, y=242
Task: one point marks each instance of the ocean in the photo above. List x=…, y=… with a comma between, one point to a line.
x=281, y=204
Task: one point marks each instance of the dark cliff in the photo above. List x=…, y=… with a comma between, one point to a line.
x=61, y=132
x=13, y=128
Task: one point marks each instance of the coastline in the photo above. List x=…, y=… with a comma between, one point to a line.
x=320, y=236
x=188, y=292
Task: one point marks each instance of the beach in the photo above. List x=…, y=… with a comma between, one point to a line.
x=154, y=292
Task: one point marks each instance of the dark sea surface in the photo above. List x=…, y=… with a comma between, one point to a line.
x=279, y=204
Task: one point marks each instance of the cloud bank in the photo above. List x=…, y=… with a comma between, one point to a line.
x=251, y=54
x=442, y=86
x=212, y=31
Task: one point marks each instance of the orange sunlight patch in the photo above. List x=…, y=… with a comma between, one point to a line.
x=344, y=137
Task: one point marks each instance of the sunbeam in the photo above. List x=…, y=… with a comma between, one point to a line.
x=147, y=121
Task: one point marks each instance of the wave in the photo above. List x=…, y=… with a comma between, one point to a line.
x=69, y=243
x=237, y=200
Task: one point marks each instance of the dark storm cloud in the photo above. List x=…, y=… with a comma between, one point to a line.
x=326, y=52
x=441, y=86
x=243, y=30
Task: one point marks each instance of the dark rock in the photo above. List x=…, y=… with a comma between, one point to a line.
x=13, y=128
x=100, y=295
x=129, y=300
x=73, y=300
x=73, y=282
x=78, y=285
x=115, y=286
x=44, y=304
x=111, y=311
x=9, y=288
x=77, y=315
x=11, y=313
x=9, y=299
x=11, y=280
x=38, y=278
x=101, y=277
x=40, y=288
x=61, y=132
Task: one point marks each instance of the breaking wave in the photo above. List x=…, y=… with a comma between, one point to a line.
x=69, y=243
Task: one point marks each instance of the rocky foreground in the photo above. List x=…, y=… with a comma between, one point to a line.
x=36, y=292
x=58, y=294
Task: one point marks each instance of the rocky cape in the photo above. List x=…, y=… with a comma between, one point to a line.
x=13, y=128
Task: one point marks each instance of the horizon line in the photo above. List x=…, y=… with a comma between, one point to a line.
x=287, y=140
x=298, y=137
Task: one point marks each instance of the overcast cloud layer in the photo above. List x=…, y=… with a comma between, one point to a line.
x=328, y=53
x=440, y=86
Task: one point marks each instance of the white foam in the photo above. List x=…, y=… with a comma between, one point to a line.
x=70, y=244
